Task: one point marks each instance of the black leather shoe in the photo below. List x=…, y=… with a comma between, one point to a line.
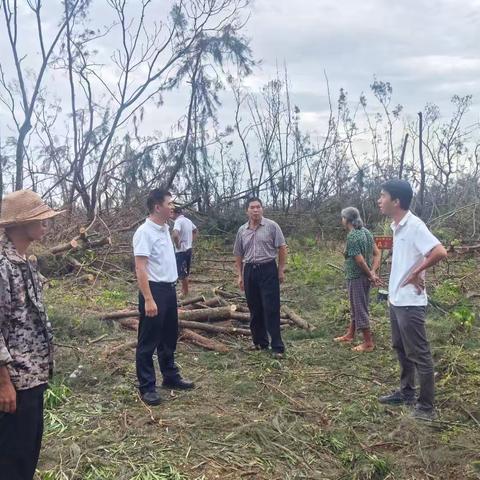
x=178, y=384
x=151, y=398
x=396, y=398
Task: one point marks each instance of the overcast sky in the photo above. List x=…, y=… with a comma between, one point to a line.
x=427, y=49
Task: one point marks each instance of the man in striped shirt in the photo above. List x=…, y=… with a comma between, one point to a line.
x=256, y=247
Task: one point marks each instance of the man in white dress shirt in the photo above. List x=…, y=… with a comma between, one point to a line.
x=156, y=271
x=415, y=249
x=184, y=234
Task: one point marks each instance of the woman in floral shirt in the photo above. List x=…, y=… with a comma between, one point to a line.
x=362, y=259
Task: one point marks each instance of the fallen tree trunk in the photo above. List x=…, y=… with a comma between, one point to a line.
x=193, y=337
x=64, y=247
x=120, y=314
x=130, y=323
x=243, y=309
x=201, y=341
x=211, y=302
x=190, y=301
x=81, y=242
x=216, y=302
x=207, y=327
x=245, y=317
x=240, y=316
x=205, y=314
x=296, y=318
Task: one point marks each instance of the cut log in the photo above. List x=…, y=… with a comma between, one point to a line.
x=201, y=341
x=207, y=327
x=195, y=306
x=243, y=309
x=130, y=323
x=216, y=302
x=64, y=247
x=211, y=302
x=120, y=314
x=288, y=312
x=240, y=316
x=245, y=318
x=190, y=301
x=206, y=314
x=81, y=242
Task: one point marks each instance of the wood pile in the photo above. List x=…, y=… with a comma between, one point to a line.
x=223, y=315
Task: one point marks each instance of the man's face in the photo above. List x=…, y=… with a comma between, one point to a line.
x=255, y=210
x=36, y=230
x=386, y=204
x=164, y=210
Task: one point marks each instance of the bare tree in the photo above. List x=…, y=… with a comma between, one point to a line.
x=22, y=110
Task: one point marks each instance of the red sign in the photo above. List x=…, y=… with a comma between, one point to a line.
x=384, y=242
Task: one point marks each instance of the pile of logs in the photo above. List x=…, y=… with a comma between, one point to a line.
x=223, y=314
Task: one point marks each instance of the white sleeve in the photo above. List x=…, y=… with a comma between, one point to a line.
x=194, y=227
x=142, y=244
x=177, y=225
x=424, y=239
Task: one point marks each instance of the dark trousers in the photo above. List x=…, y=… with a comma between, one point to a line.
x=409, y=339
x=262, y=290
x=21, y=436
x=158, y=334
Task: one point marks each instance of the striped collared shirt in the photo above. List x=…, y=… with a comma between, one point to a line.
x=259, y=245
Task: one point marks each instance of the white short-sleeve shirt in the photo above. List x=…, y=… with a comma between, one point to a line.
x=412, y=241
x=185, y=228
x=153, y=241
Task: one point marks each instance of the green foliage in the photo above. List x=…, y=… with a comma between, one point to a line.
x=448, y=293
x=464, y=317
x=112, y=299
x=56, y=395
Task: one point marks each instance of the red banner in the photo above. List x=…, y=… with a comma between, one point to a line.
x=384, y=242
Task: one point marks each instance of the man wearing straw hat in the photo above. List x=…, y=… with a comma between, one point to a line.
x=26, y=353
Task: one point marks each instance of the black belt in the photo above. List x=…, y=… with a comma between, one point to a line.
x=257, y=265
x=163, y=284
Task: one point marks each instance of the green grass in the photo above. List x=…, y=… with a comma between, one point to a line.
x=311, y=416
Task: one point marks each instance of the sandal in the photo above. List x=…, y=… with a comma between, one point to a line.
x=363, y=348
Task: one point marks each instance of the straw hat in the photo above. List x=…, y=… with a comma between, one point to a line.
x=24, y=206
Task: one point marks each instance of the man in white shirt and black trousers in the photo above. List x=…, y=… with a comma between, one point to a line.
x=156, y=270
x=415, y=249
x=184, y=234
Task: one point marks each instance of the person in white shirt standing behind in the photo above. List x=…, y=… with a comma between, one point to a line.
x=184, y=234
x=156, y=271
x=415, y=249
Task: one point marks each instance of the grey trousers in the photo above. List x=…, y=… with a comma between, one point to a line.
x=409, y=339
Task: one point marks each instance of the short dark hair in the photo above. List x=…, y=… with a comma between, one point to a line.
x=178, y=210
x=251, y=200
x=156, y=197
x=399, y=190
